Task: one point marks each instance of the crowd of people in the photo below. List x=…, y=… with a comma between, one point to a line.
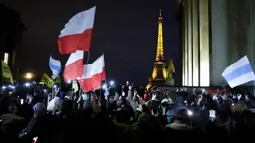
x=127, y=114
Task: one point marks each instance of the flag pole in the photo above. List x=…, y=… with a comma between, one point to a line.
x=87, y=62
x=108, y=96
x=87, y=59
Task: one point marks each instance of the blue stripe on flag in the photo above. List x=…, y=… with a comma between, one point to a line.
x=238, y=72
x=55, y=68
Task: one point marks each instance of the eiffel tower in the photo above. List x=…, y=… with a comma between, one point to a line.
x=159, y=64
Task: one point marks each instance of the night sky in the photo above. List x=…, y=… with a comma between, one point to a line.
x=124, y=30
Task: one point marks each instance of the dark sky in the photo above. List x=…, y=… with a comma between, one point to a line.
x=124, y=30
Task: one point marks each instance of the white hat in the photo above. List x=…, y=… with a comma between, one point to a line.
x=39, y=107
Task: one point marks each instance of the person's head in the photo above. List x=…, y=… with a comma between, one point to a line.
x=240, y=107
x=67, y=106
x=148, y=125
x=135, y=91
x=4, y=103
x=130, y=87
x=13, y=106
x=223, y=113
x=123, y=93
x=39, y=109
x=145, y=109
x=181, y=116
x=122, y=116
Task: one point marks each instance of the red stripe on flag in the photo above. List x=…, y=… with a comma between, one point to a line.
x=73, y=70
x=71, y=43
x=94, y=82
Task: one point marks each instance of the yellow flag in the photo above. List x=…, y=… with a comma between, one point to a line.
x=57, y=80
x=6, y=72
x=171, y=68
x=75, y=86
x=47, y=80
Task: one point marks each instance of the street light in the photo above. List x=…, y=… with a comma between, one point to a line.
x=29, y=76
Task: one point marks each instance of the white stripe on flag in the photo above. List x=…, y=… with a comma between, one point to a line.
x=55, y=66
x=239, y=73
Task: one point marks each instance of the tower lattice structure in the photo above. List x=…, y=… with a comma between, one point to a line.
x=159, y=64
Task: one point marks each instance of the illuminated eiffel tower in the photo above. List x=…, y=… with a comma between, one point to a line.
x=159, y=64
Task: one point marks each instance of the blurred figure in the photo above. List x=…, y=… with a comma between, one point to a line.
x=180, y=120
x=54, y=105
x=179, y=130
x=11, y=124
x=41, y=125
x=148, y=129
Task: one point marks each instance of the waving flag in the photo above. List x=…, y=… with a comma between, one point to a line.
x=6, y=73
x=47, y=80
x=93, y=75
x=77, y=32
x=239, y=73
x=74, y=66
x=55, y=67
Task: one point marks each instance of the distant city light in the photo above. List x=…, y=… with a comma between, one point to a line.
x=3, y=87
x=27, y=84
x=13, y=87
x=10, y=86
x=29, y=75
x=41, y=83
x=104, y=86
x=190, y=113
x=10, y=92
x=55, y=86
x=112, y=83
x=45, y=90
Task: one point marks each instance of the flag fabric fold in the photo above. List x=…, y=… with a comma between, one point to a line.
x=74, y=66
x=77, y=32
x=93, y=75
x=239, y=73
x=55, y=67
